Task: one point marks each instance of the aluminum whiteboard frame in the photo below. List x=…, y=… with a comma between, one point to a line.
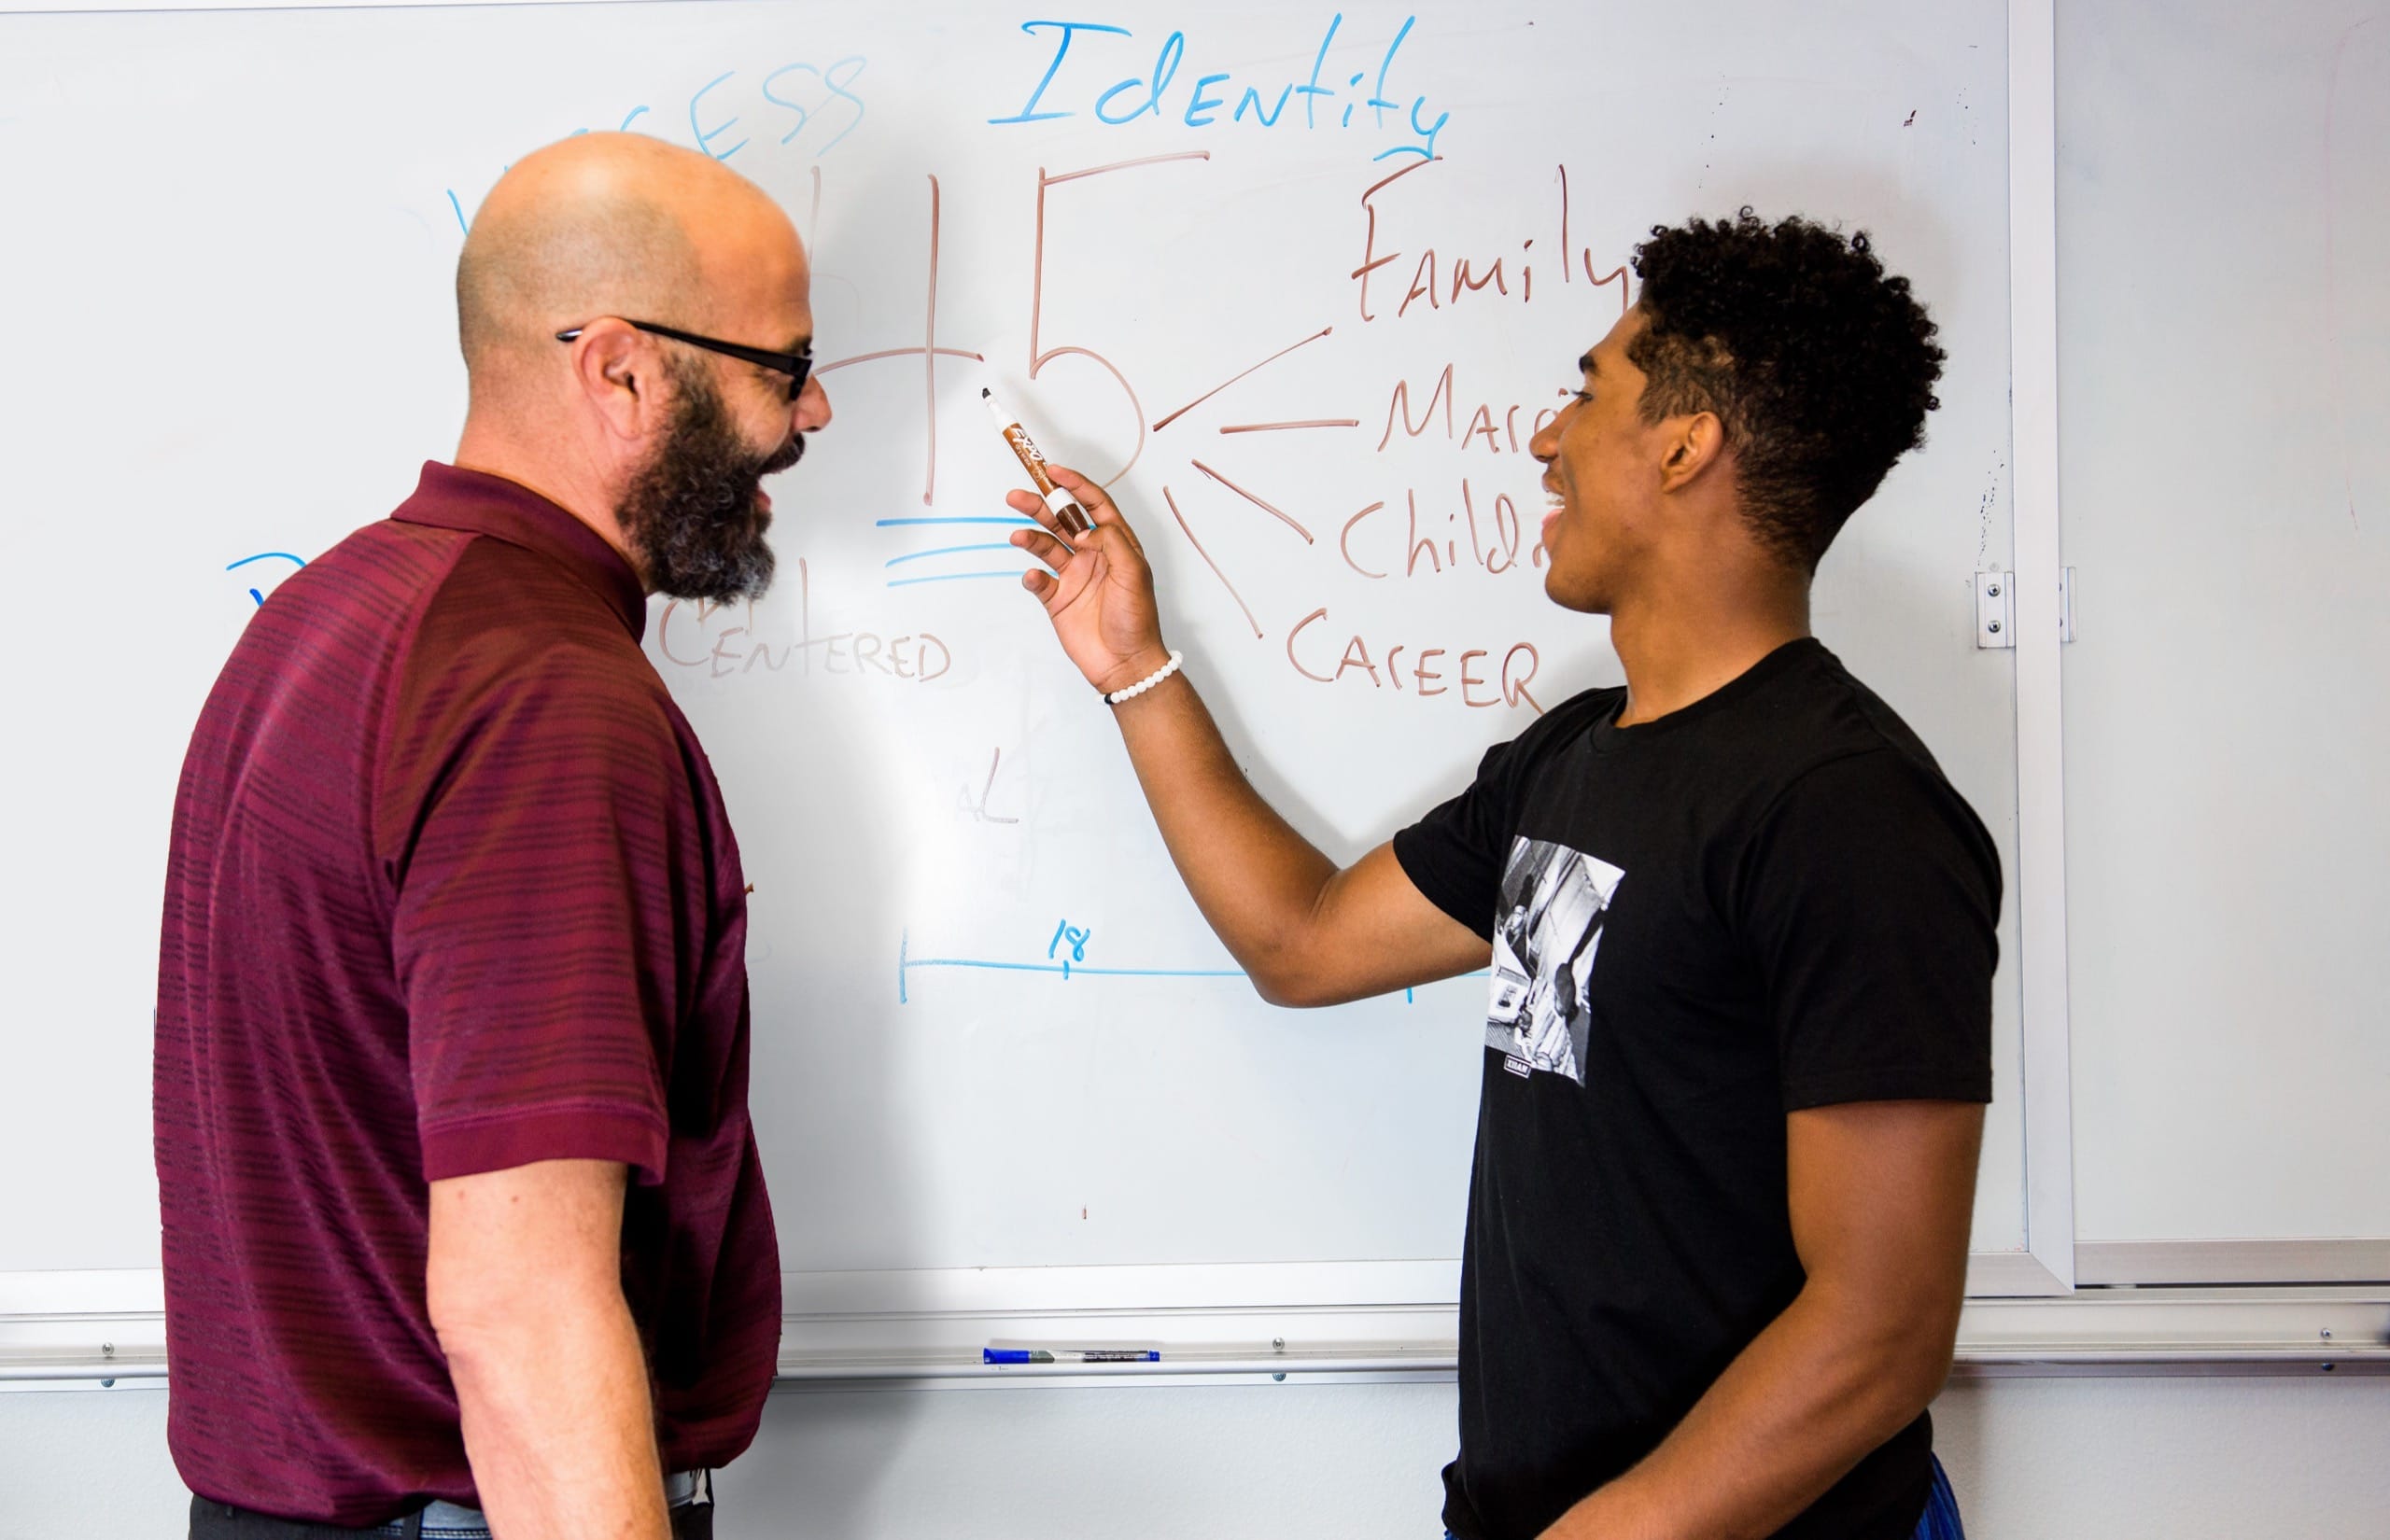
x=51, y=1336
x=2041, y=763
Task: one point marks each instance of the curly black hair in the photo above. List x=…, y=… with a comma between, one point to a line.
x=1820, y=367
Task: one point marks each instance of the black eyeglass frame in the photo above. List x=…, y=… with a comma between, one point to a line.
x=798, y=366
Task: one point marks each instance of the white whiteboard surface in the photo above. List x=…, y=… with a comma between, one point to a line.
x=2224, y=348
x=245, y=335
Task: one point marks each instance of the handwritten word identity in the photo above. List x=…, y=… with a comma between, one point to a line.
x=1217, y=98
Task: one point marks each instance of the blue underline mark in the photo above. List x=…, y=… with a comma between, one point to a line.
x=906, y=963
x=1016, y=522
x=947, y=550
x=1066, y=970
x=955, y=577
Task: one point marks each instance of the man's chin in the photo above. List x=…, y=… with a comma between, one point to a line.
x=757, y=580
x=750, y=578
x=1584, y=600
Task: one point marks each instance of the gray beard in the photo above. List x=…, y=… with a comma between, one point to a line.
x=691, y=516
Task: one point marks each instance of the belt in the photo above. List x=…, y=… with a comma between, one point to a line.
x=680, y=1489
x=436, y=1519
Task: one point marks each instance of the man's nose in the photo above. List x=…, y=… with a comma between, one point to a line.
x=810, y=411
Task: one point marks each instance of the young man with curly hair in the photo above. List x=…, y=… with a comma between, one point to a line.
x=1740, y=927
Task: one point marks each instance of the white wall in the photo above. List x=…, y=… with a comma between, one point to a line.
x=2197, y=1459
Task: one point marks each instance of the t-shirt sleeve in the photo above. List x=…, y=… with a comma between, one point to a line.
x=1454, y=854
x=543, y=929
x=1873, y=899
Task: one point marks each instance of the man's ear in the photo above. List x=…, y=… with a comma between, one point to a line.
x=1695, y=447
x=614, y=368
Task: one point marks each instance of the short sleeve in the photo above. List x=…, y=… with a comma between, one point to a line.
x=547, y=925
x=1455, y=854
x=1872, y=898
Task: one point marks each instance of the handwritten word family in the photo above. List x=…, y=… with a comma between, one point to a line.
x=1462, y=277
x=1220, y=98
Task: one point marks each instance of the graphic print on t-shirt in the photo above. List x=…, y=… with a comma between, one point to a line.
x=1545, y=935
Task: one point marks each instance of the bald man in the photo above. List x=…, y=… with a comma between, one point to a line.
x=464, y=1222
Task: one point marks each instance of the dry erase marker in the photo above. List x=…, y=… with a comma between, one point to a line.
x=1066, y=510
x=1069, y=1356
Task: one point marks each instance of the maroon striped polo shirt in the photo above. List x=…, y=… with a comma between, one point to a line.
x=451, y=889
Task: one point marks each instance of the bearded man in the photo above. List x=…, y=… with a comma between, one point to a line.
x=464, y=1220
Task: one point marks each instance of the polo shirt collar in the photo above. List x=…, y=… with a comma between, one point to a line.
x=451, y=498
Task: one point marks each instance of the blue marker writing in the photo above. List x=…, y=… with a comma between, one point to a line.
x=1029, y=113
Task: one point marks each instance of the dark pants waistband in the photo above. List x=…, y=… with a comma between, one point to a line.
x=211, y=1521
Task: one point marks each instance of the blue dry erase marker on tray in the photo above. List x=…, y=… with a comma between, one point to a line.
x=1069, y=1356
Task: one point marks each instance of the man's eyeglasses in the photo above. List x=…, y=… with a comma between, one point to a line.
x=796, y=366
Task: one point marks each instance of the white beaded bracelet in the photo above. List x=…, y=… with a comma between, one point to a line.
x=1132, y=691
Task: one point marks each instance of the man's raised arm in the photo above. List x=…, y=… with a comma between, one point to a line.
x=1307, y=932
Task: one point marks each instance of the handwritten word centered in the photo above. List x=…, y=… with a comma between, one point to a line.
x=686, y=638
x=1127, y=100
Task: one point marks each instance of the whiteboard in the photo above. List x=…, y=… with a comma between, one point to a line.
x=2225, y=357
x=240, y=346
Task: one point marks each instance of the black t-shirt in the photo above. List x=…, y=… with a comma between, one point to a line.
x=1768, y=901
